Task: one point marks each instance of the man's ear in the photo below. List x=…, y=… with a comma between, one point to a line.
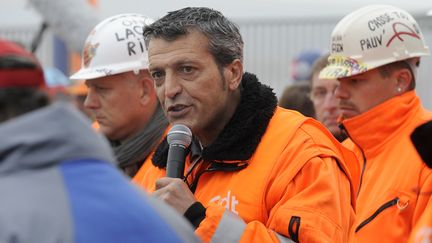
x=233, y=74
x=146, y=88
x=404, y=78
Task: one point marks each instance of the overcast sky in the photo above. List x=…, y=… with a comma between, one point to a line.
x=18, y=12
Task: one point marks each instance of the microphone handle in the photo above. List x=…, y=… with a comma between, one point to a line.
x=176, y=161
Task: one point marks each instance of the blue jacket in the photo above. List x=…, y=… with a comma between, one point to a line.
x=59, y=183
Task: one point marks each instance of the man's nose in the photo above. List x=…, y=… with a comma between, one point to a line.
x=91, y=101
x=172, y=86
x=330, y=101
x=340, y=92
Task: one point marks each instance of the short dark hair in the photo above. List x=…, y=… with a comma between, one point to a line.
x=17, y=101
x=17, y=62
x=319, y=64
x=297, y=97
x=225, y=41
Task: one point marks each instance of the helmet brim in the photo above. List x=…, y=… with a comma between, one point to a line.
x=108, y=70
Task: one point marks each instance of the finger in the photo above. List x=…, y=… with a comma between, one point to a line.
x=162, y=182
x=165, y=181
x=157, y=194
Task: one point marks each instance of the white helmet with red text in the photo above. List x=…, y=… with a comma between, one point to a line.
x=371, y=37
x=116, y=45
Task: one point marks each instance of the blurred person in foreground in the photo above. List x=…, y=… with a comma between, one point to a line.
x=57, y=176
x=121, y=95
x=375, y=55
x=296, y=96
x=255, y=172
x=422, y=140
x=324, y=101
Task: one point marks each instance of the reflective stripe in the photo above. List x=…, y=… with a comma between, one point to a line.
x=230, y=228
x=283, y=239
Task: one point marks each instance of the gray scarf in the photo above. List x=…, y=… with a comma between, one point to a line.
x=132, y=152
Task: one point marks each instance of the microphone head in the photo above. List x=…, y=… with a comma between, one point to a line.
x=179, y=135
x=422, y=140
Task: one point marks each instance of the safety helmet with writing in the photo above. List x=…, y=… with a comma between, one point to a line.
x=371, y=37
x=116, y=45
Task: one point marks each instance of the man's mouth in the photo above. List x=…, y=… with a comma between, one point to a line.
x=176, y=108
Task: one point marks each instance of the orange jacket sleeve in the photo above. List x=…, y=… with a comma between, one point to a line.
x=313, y=207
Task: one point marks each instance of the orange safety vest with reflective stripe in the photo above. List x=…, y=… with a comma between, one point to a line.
x=297, y=184
x=395, y=183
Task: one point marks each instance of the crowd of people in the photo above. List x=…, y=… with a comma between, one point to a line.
x=335, y=159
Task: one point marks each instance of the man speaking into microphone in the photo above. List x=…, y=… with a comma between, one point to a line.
x=254, y=172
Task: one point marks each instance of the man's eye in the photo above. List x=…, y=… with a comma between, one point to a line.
x=100, y=88
x=317, y=94
x=186, y=69
x=156, y=75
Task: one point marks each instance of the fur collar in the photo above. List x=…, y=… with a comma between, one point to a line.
x=241, y=136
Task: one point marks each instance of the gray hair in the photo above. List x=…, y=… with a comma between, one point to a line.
x=225, y=41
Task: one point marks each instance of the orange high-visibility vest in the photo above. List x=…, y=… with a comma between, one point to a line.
x=297, y=184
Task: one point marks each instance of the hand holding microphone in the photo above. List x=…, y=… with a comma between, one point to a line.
x=170, y=189
x=179, y=138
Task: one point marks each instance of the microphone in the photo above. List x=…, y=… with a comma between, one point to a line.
x=179, y=138
x=422, y=140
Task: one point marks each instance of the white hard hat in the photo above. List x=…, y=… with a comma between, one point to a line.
x=371, y=37
x=116, y=45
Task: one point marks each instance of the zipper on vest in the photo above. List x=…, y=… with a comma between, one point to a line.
x=341, y=126
x=378, y=211
x=293, y=228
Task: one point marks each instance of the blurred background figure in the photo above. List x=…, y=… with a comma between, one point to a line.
x=324, y=99
x=297, y=97
x=57, y=176
x=301, y=65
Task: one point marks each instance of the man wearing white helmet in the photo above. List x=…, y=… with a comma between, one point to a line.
x=121, y=95
x=376, y=51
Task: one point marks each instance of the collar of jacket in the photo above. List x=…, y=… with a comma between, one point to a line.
x=241, y=136
x=374, y=128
